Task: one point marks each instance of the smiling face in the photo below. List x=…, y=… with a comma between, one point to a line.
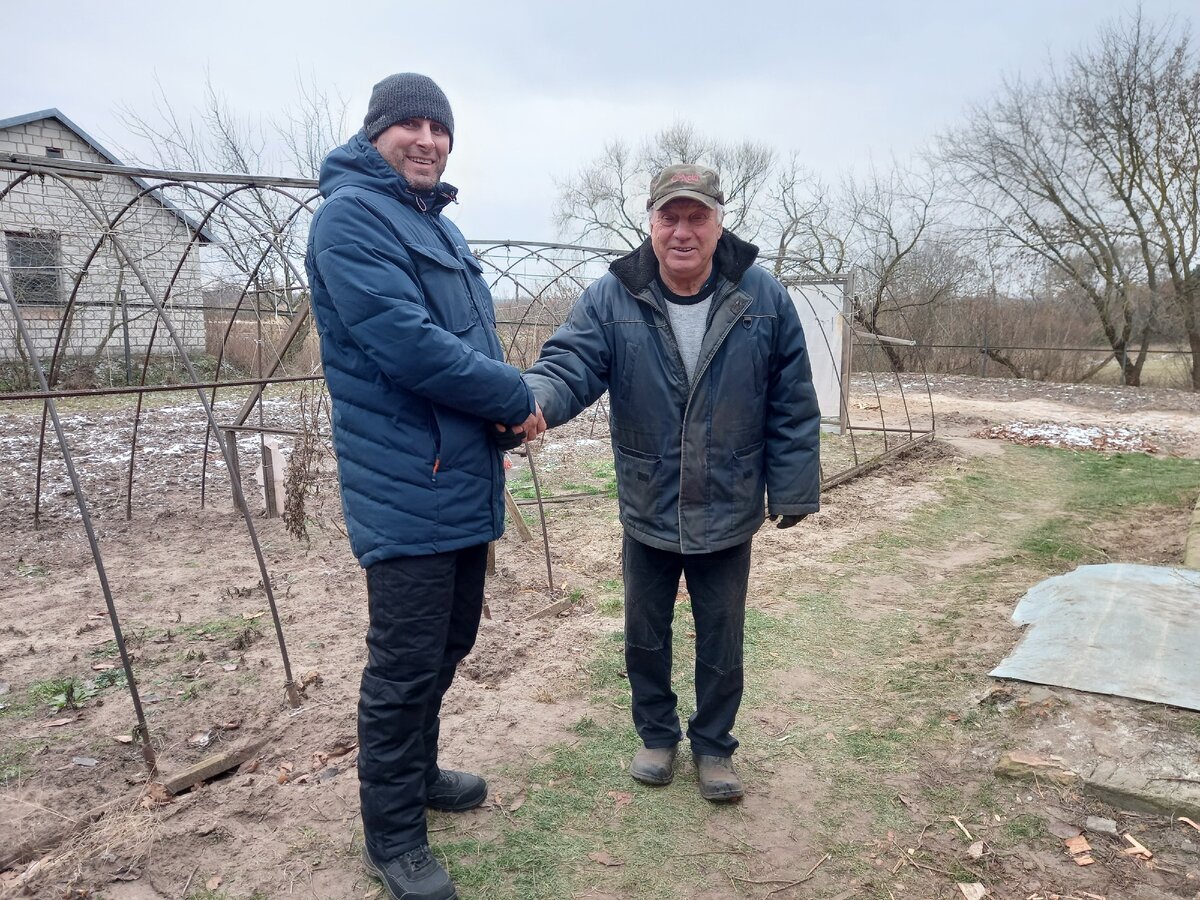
x=417, y=149
x=684, y=235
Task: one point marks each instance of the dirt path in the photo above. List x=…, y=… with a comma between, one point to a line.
x=870, y=633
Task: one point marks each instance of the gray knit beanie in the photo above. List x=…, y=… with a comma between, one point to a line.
x=406, y=95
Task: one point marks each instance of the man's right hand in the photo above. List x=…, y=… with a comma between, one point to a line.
x=534, y=425
x=507, y=438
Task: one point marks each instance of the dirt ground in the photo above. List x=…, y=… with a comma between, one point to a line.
x=192, y=604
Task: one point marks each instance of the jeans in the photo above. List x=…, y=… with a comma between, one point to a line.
x=717, y=585
x=424, y=616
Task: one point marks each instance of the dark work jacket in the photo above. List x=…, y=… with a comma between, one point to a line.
x=693, y=461
x=412, y=361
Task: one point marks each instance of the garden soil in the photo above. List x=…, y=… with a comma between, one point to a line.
x=194, y=613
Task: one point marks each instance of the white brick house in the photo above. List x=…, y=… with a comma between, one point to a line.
x=48, y=238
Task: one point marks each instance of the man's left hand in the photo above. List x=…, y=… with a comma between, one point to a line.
x=786, y=521
x=507, y=439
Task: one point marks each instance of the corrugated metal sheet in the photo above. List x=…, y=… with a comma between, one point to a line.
x=1127, y=630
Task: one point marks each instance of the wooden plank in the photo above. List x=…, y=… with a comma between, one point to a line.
x=211, y=766
x=552, y=610
x=514, y=513
x=1137, y=849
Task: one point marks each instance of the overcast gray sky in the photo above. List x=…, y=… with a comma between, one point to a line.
x=538, y=87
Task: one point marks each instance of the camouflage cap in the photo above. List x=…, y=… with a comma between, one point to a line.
x=693, y=182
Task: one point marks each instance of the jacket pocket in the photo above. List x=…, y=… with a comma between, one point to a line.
x=749, y=478
x=474, y=274
x=639, y=487
x=444, y=282
x=629, y=369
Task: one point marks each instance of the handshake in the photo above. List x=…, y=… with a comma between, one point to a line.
x=509, y=437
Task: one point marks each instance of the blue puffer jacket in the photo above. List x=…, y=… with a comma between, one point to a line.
x=412, y=362
x=693, y=461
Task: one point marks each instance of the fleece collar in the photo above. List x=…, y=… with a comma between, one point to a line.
x=637, y=270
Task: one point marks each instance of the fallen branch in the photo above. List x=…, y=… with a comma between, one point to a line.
x=962, y=827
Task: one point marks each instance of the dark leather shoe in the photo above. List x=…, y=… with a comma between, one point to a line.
x=718, y=780
x=455, y=791
x=654, y=765
x=414, y=875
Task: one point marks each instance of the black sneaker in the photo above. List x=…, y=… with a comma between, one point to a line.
x=455, y=791
x=414, y=875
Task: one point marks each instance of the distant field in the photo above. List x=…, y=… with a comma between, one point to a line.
x=1164, y=367
x=1163, y=370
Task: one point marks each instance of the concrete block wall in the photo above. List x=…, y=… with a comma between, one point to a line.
x=155, y=237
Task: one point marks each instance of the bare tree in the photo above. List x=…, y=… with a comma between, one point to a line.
x=1136, y=100
x=313, y=127
x=811, y=232
x=871, y=226
x=256, y=230
x=924, y=298
x=1094, y=171
x=606, y=199
x=893, y=214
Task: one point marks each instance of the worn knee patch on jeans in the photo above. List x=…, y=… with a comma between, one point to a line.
x=721, y=652
x=640, y=632
x=723, y=668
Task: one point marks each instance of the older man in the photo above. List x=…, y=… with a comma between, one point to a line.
x=712, y=404
x=414, y=371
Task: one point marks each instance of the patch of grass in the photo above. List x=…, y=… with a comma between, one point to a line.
x=943, y=799
x=107, y=650
x=194, y=690
x=234, y=628
x=877, y=749
x=1103, y=483
x=612, y=597
x=216, y=628
x=14, y=760
x=571, y=810
x=520, y=484
x=1024, y=827
x=606, y=671
x=71, y=691
x=17, y=704
x=1049, y=544
x=987, y=798
x=605, y=471
x=28, y=570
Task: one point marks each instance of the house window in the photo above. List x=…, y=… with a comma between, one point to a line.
x=54, y=152
x=33, y=263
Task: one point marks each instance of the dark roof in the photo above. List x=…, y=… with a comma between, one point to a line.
x=205, y=234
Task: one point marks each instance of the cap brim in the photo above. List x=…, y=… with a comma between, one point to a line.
x=710, y=202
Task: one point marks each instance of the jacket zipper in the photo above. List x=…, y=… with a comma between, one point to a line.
x=700, y=370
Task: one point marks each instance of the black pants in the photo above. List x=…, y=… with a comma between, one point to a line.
x=717, y=585
x=424, y=617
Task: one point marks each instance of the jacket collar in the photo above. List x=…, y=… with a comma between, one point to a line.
x=359, y=164
x=732, y=258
